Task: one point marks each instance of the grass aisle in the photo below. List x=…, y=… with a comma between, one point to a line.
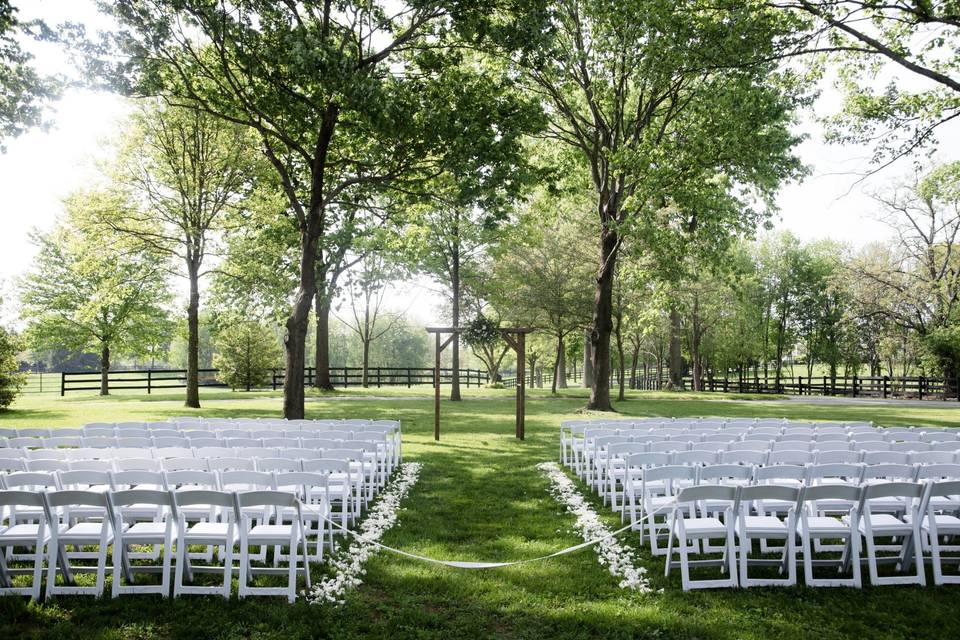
x=480, y=498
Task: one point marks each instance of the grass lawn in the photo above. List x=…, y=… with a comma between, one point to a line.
x=480, y=498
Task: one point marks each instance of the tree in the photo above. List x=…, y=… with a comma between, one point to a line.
x=920, y=271
x=184, y=169
x=11, y=381
x=543, y=278
x=347, y=100
x=247, y=353
x=88, y=290
x=865, y=39
x=23, y=92
x=672, y=107
x=366, y=289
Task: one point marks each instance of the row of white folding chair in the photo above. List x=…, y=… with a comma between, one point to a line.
x=580, y=447
x=209, y=459
x=653, y=486
x=346, y=486
x=632, y=466
x=609, y=450
x=374, y=462
x=365, y=480
x=60, y=518
x=694, y=518
x=596, y=459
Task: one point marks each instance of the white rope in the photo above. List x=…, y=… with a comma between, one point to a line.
x=463, y=564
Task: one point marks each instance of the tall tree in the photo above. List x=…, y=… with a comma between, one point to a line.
x=921, y=267
x=543, y=277
x=89, y=290
x=366, y=287
x=184, y=170
x=670, y=105
x=345, y=98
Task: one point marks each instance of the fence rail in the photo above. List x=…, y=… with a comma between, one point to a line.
x=909, y=387
x=386, y=377
x=162, y=379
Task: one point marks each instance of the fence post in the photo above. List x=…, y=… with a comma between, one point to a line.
x=149, y=381
x=854, y=385
x=886, y=386
x=920, y=387
x=63, y=383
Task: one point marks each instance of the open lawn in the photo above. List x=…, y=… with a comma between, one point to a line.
x=480, y=498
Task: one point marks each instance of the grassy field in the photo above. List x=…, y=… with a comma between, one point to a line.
x=480, y=498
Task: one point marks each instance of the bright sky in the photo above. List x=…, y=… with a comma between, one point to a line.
x=42, y=167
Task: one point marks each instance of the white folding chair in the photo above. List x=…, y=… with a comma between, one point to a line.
x=230, y=464
x=155, y=533
x=339, y=487
x=33, y=535
x=658, y=493
x=700, y=527
x=817, y=524
x=763, y=527
x=220, y=532
x=312, y=489
x=907, y=531
x=74, y=527
x=938, y=523
x=291, y=535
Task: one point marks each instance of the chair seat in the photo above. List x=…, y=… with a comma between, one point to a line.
x=20, y=532
x=826, y=524
x=208, y=530
x=945, y=523
x=145, y=530
x=270, y=533
x=704, y=526
x=757, y=525
x=884, y=523
x=84, y=532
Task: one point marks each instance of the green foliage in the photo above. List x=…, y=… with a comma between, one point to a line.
x=482, y=332
x=23, y=92
x=868, y=41
x=247, y=352
x=89, y=290
x=11, y=382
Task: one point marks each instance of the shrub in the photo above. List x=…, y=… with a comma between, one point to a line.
x=11, y=382
x=246, y=354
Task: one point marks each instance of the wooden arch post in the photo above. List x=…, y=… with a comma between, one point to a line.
x=516, y=339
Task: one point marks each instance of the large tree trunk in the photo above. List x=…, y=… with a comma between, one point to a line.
x=455, y=290
x=558, y=356
x=587, y=361
x=294, y=342
x=321, y=358
x=365, y=377
x=193, y=337
x=676, y=358
x=695, y=342
x=634, y=357
x=104, y=368
x=621, y=367
x=603, y=322
x=560, y=375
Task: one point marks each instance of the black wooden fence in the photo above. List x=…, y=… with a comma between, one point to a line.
x=161, y=379
x=386, y=376
x=911, y=388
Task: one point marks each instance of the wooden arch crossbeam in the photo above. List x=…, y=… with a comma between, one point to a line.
x=516, y=339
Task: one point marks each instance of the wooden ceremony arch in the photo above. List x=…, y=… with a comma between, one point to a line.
x=515, y=337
